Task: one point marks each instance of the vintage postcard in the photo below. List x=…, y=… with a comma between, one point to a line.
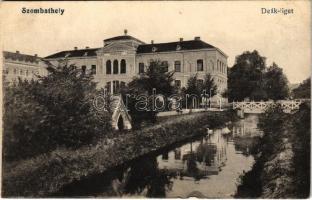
x=155, y=99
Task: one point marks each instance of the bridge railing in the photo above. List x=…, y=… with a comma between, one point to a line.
x=261, y=106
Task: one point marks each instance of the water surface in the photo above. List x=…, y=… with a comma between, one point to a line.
x=207, y=167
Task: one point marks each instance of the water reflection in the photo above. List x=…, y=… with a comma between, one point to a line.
x=207, y=168
x=245, y=133
x=246, y=127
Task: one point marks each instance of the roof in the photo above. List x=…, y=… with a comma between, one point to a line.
x=123, y=37
x=20, y=57
x=174, y=46
x=74, y=53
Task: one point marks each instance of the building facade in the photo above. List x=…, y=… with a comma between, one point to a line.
x=23, y=66
x=123, y=57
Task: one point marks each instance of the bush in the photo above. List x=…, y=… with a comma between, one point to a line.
x=302, y=149
x=54, y=111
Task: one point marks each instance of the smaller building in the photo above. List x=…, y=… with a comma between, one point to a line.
x=26, y=67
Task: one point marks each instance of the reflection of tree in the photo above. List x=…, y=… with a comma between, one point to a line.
x=159, y=184
x=146, y=175
x=245, y=144
x=206, y=152
x=165, y=156
x=192, y=169
x=177, y=154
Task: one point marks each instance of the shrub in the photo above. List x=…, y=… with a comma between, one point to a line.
x=302, y=149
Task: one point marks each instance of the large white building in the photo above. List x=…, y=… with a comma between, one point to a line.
x=123, y=57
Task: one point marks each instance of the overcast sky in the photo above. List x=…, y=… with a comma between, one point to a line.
x=233, y=26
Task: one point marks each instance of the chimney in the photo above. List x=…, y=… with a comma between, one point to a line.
x=152, y=41
x=125, y=31
x=76, y=48
x=36, y=55
x=181, y=39
x=87, y=47
x=197, y=38
x=17, y=52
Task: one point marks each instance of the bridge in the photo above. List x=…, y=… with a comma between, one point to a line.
x=260, y=106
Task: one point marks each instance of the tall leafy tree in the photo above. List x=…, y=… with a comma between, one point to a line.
x=155, y=78
x=193, y=86
x=209, y=85
x=304, y=90
x=245, y=78
x=54, y=111
x=196, y=87
x=276, y=83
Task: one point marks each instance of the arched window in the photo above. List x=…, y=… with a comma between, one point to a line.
x=115, y=67
x=165, y=66
x=212, y=65
x=123, y=68
x=220, y=66
x=108, y=87
x=122, y=84
x=219, y=69
x=93, y=69
x=115, y=87
x=108, y=67
x=141, y=68
x=177, y=66
x=200, y=65
x=83, y=69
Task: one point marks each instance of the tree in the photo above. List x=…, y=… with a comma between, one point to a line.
x=245, y=78
x=196, y=87
x=193, y=86
x=276, y=83
x=303, y=91
x=54, y=111
x=193, y=91
x=155, y=80
x=156, y=77
x=209, y=85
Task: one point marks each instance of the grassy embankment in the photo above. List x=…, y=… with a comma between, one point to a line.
x=282, y=167
x=47, y=173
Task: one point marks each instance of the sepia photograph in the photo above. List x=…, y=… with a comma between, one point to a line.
x=156, y=99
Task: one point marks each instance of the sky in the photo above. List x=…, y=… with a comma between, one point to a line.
x=232, y=26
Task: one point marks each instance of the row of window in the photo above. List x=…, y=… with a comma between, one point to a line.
x=199, y=81
x=221, y=67
x=114, y=86
x=123, y=67
x=21, y=72
x=177, y=66
x=164, y=65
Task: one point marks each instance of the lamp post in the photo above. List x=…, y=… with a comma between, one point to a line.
x=210, y=98
x=205, y=96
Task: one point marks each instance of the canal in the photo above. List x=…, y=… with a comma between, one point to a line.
x=206, y=167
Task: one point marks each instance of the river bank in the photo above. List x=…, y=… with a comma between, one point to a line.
x=282, y=167
x=48, y=173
